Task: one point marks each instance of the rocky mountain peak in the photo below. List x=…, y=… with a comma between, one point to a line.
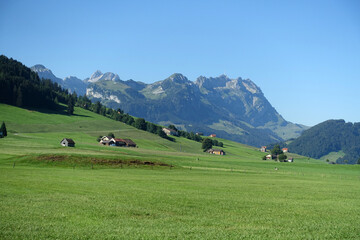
x=95, y=76
x=39, y=68
x=46, y=73
x=178, y=78
x=98, y=75
x=212, y=83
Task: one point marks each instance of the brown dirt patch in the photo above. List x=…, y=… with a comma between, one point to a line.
x=97, y=160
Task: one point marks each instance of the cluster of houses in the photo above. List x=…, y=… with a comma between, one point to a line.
x=105, y=140
x=119, y=142
x=270, y=156
x=263, y=149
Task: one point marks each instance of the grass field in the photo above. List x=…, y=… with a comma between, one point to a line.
x=52, y=192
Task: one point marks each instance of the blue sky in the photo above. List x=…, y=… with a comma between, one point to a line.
x=304, y=55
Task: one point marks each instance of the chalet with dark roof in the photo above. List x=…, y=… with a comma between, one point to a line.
x=67, y=142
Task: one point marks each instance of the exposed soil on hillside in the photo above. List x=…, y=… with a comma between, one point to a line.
x=97, y=160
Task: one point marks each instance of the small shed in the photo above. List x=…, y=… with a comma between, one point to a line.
x=285, y=150
x=263, y=149
x=290, y=159
x=67, y=142
x=212, y=135
x=216, y=151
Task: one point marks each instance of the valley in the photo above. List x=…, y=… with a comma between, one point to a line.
x=51, y=191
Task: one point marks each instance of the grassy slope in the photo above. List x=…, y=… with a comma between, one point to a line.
x=203, y=196
x=333, y=156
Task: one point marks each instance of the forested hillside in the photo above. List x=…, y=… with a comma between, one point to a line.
x=22, y=87
x=329, y=136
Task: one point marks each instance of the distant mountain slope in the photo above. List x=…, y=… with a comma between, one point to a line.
x=330, y=136
x=46, y=73
x=231, y=108
x=73, y=84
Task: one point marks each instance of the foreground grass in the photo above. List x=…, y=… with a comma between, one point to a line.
x=51, y=192
x=193, y=204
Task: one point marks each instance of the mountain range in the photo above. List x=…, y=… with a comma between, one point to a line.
x=235, y=109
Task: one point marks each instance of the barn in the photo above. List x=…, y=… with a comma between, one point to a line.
x=67, y=142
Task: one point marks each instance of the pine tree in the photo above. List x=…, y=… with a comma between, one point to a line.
x=97, y=107
x=19, y=98
x=14, y=95
x=70, y=108
x=3, y=129
x=140, y=123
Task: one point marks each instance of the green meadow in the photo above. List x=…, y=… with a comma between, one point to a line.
x=161, y=189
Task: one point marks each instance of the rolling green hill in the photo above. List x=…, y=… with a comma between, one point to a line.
x=329, y=137
x=99, y=192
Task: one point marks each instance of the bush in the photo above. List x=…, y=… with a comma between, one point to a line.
x=282, y=157
x=207, y=144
